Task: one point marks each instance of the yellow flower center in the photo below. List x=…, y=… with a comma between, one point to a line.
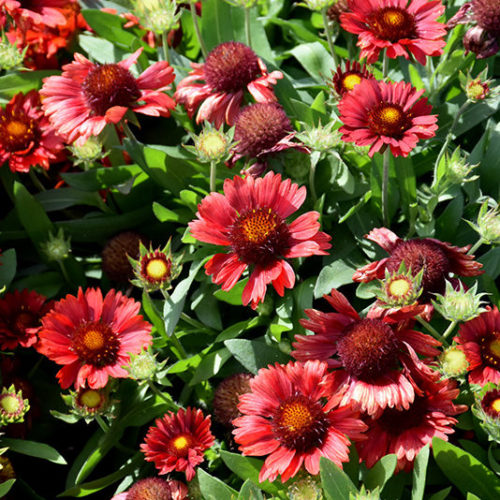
x=350, y=81
x=394, y=18
x=181, y=443
x=399, y=287
x=10, y=404
x=390, y=115
x=93, y=340
x=296, y=416
x=15, y=127
x=495, y=347
x=454, y=362
x=91, y=398
x=212, y=145
x=258, y=225
x=157, y=269
x=496, y=405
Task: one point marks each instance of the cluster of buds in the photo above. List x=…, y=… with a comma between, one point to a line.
x=486, y=409
x=13, y=407
x=88, y=153
x=459, y=304
x=158, y=16
x=155, y=269
x=211, y=144
x=488, y=224
x=453, y=362
x=57, y=247
x=400, y=288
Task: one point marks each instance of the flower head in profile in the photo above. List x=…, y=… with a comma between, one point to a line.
x=374, y=354
x=292, y=414
x=436, y=258
x=480, y=341
x=154, y=488
x=381, y=114
x=93, y=337
x=177, y=441
x=218, y=86
x=250, y=219
x=344, y=80
x=88, y=96
x=486, y=409
x=406, y=431
x=401, y=27
x=20, y=316
x=26, y=137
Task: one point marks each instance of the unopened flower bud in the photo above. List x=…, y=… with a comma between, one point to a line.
x=317, y=4
x=453, y=362
x=57, y=247
x=487, y=410
x=400, y=288
x=305, y=487
x=12, y=406
x=457, y=168
x=88, y=153
x=212, y=145
x=143, y=366
x=320, y=138
x=364, y=494
x=10, y=56
x=459, y=305
x=158, y=16
x=488, y=224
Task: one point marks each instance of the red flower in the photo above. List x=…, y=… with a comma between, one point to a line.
x=93, y=338
x=378, y=114
x=88, y=96
x=154, y=488
x=406, y=432
x=480, y=341
x=397, y=26
x=231, y=68
x=250, y=218
x=20, y=315
x=178, y=441
x=285, y=416
x=437, y=258
x=345, y=80
x=44, y=12
x=26, y=136
x=375, y=354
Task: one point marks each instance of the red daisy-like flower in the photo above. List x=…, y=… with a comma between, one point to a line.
x=178, y=441
x=480, y=341
x=20, y=315
x=231, y=69
x=87, y=96
x=285, y=416
x=438, y=259
x=344, y=80
x=42, y=12
x=375, y=354
x=398, y=26
x=381, y=114
x=93, y=337
x=154, y=488
x=26, y=137
x=250, y=218
x=406, y=431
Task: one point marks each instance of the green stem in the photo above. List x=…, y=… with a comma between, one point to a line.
x=449, y=136
x=431, y=329
x=450, y=329
x=34, y=369
x=385, y=65
x=248, y=32
x=197, y=29
x=102, y=424
x=64, y=272
x=476, y=245
x=385, y=185
x=36, y=180
x=312, y=174
x=213, y=175
x=164, y=43
x=160, y=394
x=128, y=132
x=326, y=24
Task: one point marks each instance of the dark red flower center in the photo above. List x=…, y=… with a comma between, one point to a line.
x=259, y=127
x=259, y=236
x=25, y=319
x=388, y=119
x=110, y=85
x=151, y=488
x=487, y=15
x=422, y=254
x=490, y=349
x=368, y=349
x=396, y=422
x=230, y=67
x=392, y=24
x=491, y=403
x=18, y=133
x=180, y=444
x=300, y=424
x=96, y=344
x=156, y=267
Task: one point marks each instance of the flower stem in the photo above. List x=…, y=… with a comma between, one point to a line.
x=385, y=65
x=160, y=394
x=476, y=245
x=102, y=424
x=213, y=175
x=248, y=32
x=128, y=132
x=36, y=180
x=385, y=185
x=431, y=329
x=64, y=272
x=449, y=136
x=312, y=173
x=326, y=24
x=197, y=29
x=164, y=42
x=450, y=328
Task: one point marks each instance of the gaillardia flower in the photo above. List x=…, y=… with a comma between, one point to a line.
x=87, y=96
x=406, y=431
x=480, y=341
x=398, y=26
x=26, y=137
x=380, y=114
x=344, y=80
x=178, y=441
x=436, y=258
x=250, y=219
x=36, y=12
x=93, y=337
x=20, y=315
x=220, y=83
x=154, y=488
x=374, y=354
x=293, y=415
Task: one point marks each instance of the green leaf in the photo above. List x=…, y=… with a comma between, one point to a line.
x=491, y=262
x=164, y=214
x=6, y=486
x=255, y=354
x=441, y=495
x=101, y=178
x=109, y=27
x=34, y=449
x=214, y=489
x=315, y=59
x=238, y=328
x=14, y=82
x=100, y=50
x=381, y=472
x=465, y=471
x=210, y=366
x=232, y=296
x=248, y=468
x=336, y=483
x=59, y=199
x=250, y=492
x=153, y=314
x=47, y=284
x=420, y=473
x=8, y=266
x=216, y=23
x=336, y=274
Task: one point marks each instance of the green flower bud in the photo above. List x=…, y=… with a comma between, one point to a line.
x=12, y=406
x=57, y=247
